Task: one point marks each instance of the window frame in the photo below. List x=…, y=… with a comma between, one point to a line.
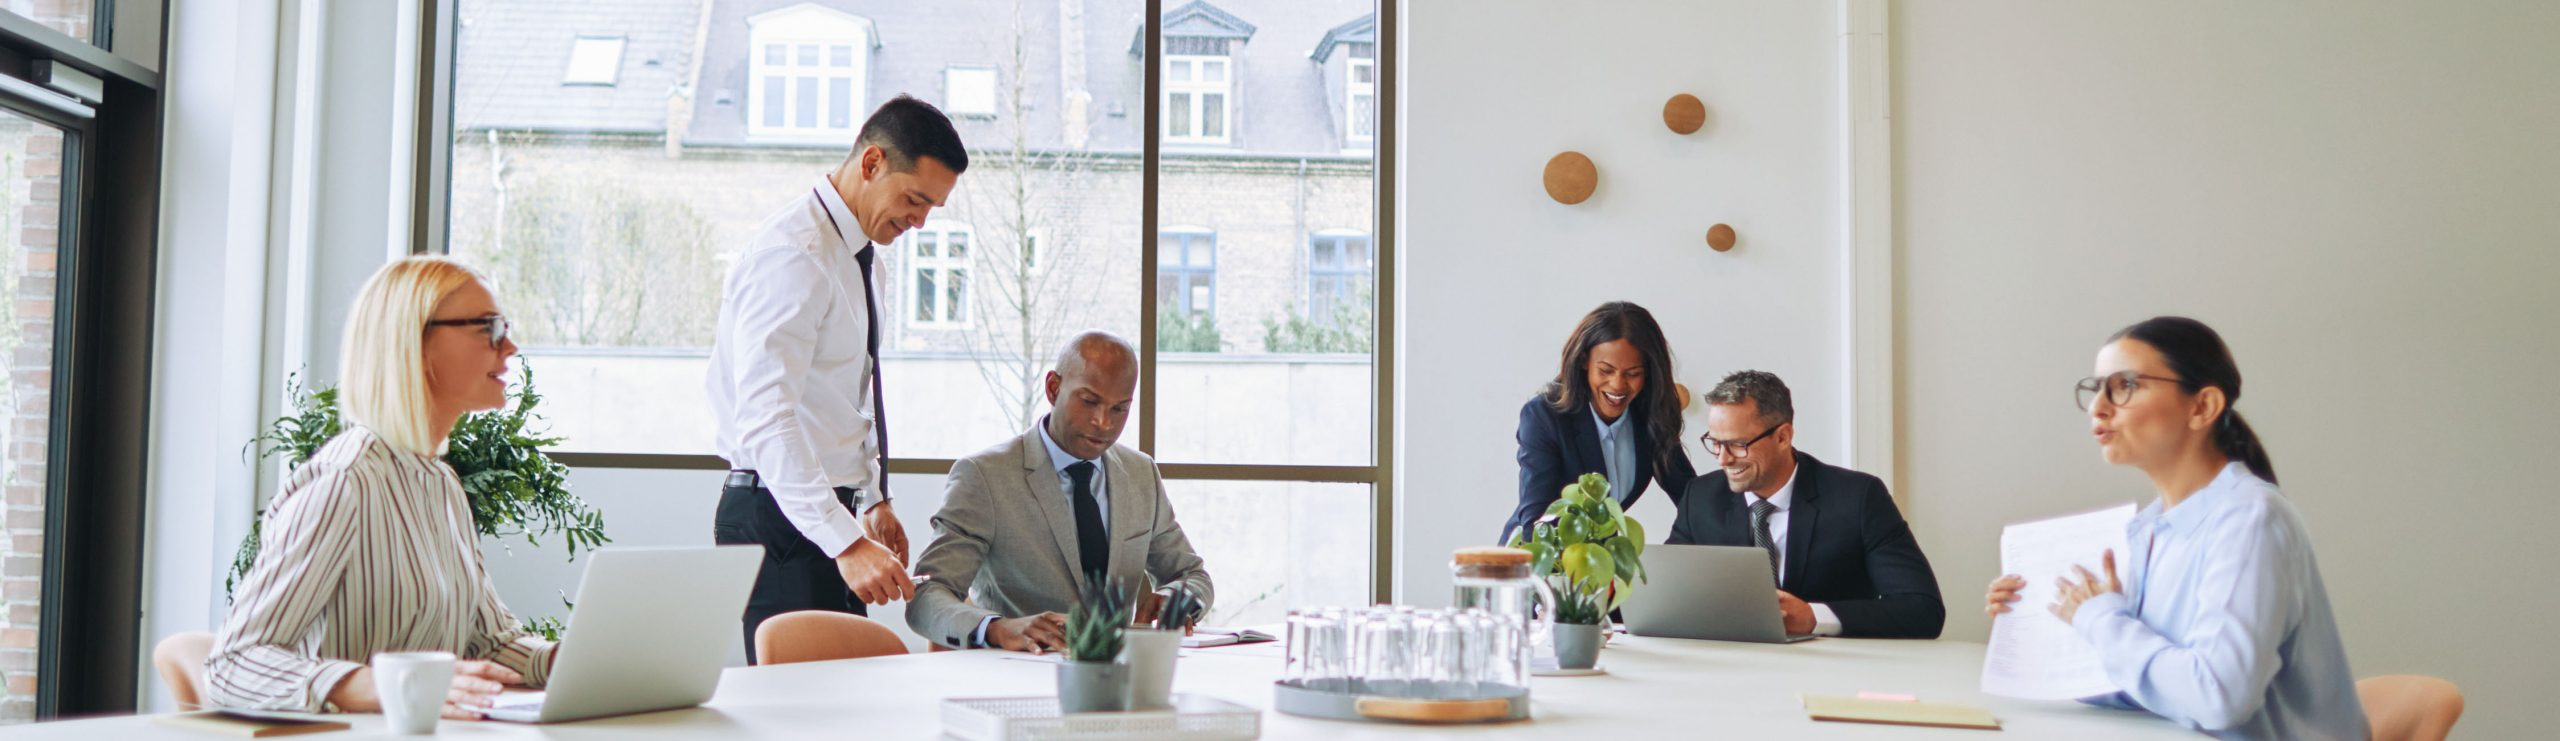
x=1379, y=474
x=97, y=429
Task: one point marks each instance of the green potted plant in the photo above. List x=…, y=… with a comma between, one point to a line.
x=512, y=487
x=1591, y=552
x=1095, y=677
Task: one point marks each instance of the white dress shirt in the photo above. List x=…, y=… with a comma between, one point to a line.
x=1824, y=622
x=791, y=365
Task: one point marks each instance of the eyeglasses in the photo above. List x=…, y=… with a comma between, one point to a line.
x=497, y=326
x=2119, y=387
x=1740, y=449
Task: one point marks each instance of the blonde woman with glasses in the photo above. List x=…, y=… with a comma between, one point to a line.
x=370, y=547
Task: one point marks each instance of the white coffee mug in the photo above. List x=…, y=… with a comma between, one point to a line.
x=412, y=685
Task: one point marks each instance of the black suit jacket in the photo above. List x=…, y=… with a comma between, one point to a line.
x=1557, y=449
x=1847, y=547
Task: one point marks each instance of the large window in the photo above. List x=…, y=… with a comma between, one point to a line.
x=608, y=217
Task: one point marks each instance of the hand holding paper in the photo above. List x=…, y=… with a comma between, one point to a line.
x=2034, y=654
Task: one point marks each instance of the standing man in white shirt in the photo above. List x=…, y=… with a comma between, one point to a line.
x=795, y=384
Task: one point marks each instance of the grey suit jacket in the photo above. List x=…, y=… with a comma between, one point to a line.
x=1007, y=536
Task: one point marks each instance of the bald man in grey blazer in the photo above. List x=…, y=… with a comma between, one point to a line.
x=1025, y=523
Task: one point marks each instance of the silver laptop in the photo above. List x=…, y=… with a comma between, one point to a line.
x=1715, y=592
x=652, y=628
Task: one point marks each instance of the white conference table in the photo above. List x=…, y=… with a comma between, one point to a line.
x=1653, y=688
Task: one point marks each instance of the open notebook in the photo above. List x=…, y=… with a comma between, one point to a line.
x=1206, y=636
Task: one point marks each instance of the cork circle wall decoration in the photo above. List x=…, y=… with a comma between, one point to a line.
x=1571, y=177
x=1684, y=114
x=1720, y=237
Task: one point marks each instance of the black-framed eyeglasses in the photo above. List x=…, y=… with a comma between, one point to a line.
x=2119, y=387
x=1741, y=449
x=497, y=326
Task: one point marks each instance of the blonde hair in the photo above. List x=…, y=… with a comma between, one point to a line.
x=383, y=360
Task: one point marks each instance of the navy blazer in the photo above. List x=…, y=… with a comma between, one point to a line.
x=1557, y=449
x=1847, y=547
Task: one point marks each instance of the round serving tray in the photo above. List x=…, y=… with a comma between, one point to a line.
x=1417, y=702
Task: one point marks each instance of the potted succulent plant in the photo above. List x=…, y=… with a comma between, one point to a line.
x=1095, y=677
x=1591, y=552
x=1151, y=650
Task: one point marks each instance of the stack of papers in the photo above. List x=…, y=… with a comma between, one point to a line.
x=2034, y=655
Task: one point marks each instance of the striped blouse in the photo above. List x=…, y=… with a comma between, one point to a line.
x=368, y=549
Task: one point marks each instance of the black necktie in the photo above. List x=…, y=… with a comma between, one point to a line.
x=879, y=406
x=1092, y=538
x=1760, y=512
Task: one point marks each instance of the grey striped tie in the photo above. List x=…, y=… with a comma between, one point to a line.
x=1760, y=511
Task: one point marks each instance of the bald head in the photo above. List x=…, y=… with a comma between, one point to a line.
x=1091, y=390
x=1099, y=352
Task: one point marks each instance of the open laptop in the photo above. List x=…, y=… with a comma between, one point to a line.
x=1715, y=592
x=652, y=629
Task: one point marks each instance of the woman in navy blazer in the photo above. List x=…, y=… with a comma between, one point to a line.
x=1615, y=381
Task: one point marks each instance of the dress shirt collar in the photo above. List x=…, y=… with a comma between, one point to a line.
x=1786, y=492
x=1059, y=458
x=1609, y=431
x=2199, y=506
x=843, y=220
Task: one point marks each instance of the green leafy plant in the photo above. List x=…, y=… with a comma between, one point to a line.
x=1185, y=331
x=512, y=487
x=1586, y=545
x=1098, y=624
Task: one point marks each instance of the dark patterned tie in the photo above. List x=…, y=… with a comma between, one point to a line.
x=1092, y=539
x=1760, y=511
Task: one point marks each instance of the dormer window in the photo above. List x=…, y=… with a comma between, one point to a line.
x=1350, y=50
x=1200, y=74
x=808, y=73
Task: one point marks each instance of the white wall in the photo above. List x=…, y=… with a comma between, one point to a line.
x=2359, y=195
x=1495, y=275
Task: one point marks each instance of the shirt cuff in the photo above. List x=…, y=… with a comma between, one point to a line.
x=2085, y=620
x=836, y=533
x=979, y=639
x=1825, y=622
x=326, y=680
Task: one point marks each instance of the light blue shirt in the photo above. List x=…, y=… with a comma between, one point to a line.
x=2225, y=627
x=1617, y=452
x=1059, y=458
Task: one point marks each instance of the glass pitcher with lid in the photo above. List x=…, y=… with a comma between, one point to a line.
x=1497, y=580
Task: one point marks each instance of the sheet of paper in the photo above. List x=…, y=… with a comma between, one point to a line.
x=2034, y=655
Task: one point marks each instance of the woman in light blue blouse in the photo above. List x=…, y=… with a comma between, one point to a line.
x=2223, y=626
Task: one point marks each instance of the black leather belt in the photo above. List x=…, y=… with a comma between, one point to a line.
x=742, y=478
